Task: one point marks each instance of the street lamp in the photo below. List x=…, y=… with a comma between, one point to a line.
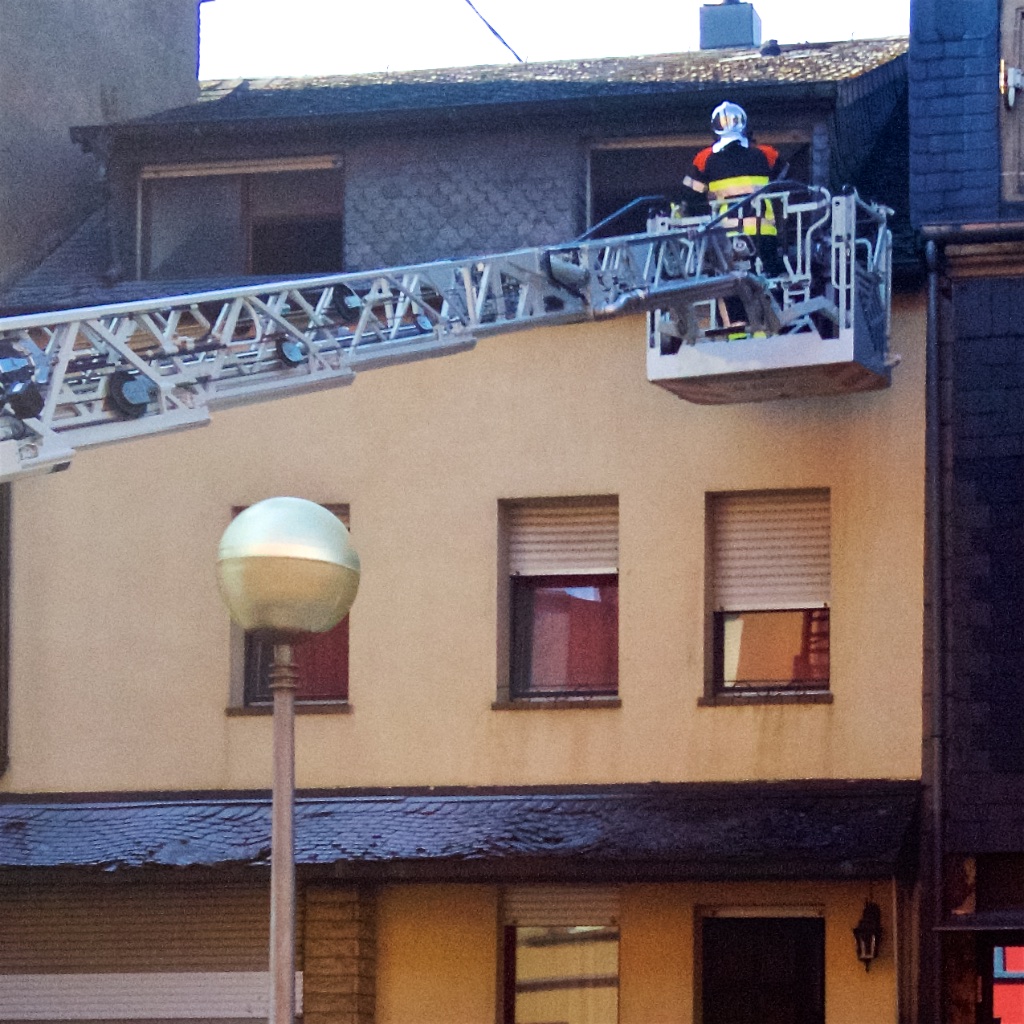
x=286, y=569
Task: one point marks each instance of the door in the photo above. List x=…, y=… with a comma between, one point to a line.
x=763, y=970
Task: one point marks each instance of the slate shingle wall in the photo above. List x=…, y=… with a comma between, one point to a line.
x=413, y=201
x=954, y=111
x=985, y=587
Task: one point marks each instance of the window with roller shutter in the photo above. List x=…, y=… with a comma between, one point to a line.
x=770, y=591
x=562, y=561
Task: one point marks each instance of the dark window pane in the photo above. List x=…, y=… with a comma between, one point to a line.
x=772, y=650
x=322, y=663
x=194, y=227
x=564, y=974
x=296, y=247
x=565, y=635
x=763, y=970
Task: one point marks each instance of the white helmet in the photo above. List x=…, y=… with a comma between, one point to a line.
x=729, y=118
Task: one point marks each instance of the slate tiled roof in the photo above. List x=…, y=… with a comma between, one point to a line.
x=801, y=64
x=806, y=829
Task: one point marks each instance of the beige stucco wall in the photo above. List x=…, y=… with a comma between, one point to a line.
x=438, y=950
x=120, y=650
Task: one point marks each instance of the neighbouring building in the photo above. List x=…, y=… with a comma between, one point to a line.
x=967, y=201
x=62, y=63
x=548, y=769
x=67, y=62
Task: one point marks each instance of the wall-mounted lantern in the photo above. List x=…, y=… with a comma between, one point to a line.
x=868, y=933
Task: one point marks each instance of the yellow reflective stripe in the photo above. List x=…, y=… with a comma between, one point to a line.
x=739, y=185
x=692, y=183
x=750, y=226
x=767, y=217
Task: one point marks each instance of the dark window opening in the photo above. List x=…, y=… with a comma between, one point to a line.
x=772, y=650
x=296, y=247
x=565, y=635
x=618, y=176
x=763, y=970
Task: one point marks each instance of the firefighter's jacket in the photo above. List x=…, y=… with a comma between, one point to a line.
x=720, y=178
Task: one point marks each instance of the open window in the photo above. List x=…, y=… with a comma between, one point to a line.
x=561, y=956
x=563, y=598
x=770, y=557
x=279, y=218
x=625, y=169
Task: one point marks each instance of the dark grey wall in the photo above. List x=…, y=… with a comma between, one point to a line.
x=414, y=201
x=984, y=753
x=954, y=111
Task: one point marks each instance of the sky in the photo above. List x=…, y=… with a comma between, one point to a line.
x=264, y=38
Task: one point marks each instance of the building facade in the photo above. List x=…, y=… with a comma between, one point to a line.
x=569, y=759
x=966, y=201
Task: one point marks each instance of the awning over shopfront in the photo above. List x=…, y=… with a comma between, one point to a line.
x=785, y=830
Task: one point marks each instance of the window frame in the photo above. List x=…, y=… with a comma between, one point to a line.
x=242, y=169
x=814, y=138
x=239, y=703
x=509, y=695
x=1011, y=125
x=553, y=906
x=716, y=693
x=521, y=662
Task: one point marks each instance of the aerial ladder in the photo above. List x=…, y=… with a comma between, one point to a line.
x=86, y=377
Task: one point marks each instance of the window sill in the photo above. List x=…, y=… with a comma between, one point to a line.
x=555, y=703
x=768, y=697
x=330, y=707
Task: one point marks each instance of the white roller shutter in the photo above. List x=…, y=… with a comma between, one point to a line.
x=771, y=550
x=559, y=905
x=563, y=539
x=235, y=995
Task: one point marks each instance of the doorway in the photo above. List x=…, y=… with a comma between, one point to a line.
x=763, y=970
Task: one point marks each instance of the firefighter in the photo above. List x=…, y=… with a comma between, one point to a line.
x=731, y=168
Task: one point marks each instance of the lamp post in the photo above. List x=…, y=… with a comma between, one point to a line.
x=286, y=569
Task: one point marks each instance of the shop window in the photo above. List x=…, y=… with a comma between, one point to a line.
x=763, y=970
x=321, y=661
x=1008, y=984
x=564, y=599
x=230, y=221
x=770, y=591
x=561, y=972
x=1001, y=992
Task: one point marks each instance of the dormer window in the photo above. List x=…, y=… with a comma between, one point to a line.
x=278, y=218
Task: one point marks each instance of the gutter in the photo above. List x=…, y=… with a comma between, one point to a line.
x=5, y=625
x=973, y=233
x=935, y=461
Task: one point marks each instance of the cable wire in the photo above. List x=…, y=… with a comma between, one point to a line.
x=495, y=32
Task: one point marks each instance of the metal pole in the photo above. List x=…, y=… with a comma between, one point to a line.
x=282, y=840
